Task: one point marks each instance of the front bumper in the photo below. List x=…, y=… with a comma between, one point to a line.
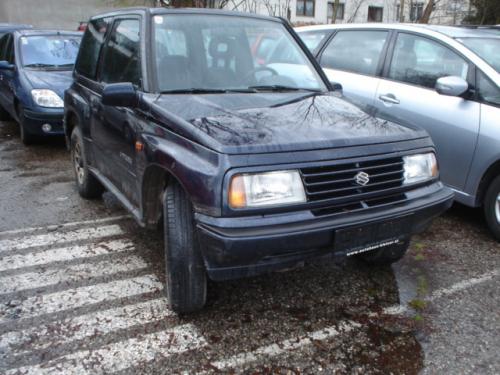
x=247, y=246
x=35, y=119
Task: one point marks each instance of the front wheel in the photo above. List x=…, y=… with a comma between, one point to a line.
x=88, y=185
x=492, y=207
x=26, y=137
x=186, y=280
x=386, y=255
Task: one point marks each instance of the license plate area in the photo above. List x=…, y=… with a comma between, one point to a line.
x=372, y=236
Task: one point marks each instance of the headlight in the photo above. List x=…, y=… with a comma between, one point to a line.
x=419, y=167
x=266, y=189
x=47, y=98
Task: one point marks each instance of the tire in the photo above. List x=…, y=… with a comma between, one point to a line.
x=185, y=276
x=491, y=207
x=386, y=255
x=4, y=115
x=26, y=137
x=87, y=184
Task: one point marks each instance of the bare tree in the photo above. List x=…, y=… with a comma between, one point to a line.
x=279, y=8
x=357, y=5
x=335, y=10
x=429, y=8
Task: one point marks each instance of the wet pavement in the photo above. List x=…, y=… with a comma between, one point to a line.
x=81, y=292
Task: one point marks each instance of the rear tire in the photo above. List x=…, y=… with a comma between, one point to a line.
x=491, y=207
x=26, y=137
x=88, y=185
x=186, y=279
x=386, y=255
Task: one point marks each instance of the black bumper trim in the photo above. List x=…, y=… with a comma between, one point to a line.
x=240, y=252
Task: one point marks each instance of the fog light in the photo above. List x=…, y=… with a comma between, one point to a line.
x=46, y=128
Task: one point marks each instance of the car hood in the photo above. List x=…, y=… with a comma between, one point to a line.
x=58, y=80
x=275, y=122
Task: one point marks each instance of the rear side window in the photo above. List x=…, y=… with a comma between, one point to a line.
x=355, y=51
x=421, y=61
x=121, y=56
x=91, y=45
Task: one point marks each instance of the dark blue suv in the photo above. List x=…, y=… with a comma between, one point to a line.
x=35, y=69
x=249, y=165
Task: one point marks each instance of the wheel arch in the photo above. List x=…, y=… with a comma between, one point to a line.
x=491, y=173
x=155, y=180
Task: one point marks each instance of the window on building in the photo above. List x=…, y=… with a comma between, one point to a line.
x=375, y=14
x=416, y=11
x=340, y=11
x=305, y=8
x=398, y=13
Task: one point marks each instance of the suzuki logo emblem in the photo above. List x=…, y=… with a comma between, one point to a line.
x=362, y=178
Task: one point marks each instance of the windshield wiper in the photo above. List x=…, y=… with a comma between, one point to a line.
x=280, y=88
x=40, y=65
x=194, y=91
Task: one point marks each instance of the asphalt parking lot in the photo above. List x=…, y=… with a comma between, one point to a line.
x=81, y=292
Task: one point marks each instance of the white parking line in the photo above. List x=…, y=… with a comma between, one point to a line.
x=59, y=237
x=66, y=225
x=121, y=355
x=78, y=297
x=44, y=257
x=285, y=346
x=47, y=277
x=461, y=285
x=62, y=333
x=329, y=332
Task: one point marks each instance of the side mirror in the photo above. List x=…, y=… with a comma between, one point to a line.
x=336, y=86
x=120, y=95
x=451, y=86
x=5, y=65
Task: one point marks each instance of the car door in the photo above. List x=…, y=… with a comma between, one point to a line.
x=353, y=58
x=115, y=128
x=7, y=76
x=407, y=95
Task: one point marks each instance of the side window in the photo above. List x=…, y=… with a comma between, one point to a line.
x=488, y=91
x=312, y=39
x=3, y=46
x=9, y=52
x=90, y=48
x=364, y=59
x=121, y=56
x=421, y=61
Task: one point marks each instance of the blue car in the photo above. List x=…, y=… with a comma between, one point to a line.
x=35, y=69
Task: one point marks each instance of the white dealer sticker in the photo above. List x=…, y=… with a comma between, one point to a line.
x=372, y=247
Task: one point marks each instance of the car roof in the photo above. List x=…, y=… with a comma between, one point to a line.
x=12, y=27
x=450, y=31
x=201, y=11
x=447, y=34
x=30, y=32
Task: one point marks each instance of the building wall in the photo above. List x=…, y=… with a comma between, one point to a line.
x=66, y=14
x=59, y=14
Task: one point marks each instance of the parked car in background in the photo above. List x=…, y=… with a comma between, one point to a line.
x=445, y=79
x=35, y=69
x=250, y=166
x=10, y=27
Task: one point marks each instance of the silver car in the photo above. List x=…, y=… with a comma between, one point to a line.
x=442, y=78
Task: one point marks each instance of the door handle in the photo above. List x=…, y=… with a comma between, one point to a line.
x=389, y=98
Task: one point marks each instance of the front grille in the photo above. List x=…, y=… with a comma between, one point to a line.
x=337, y=184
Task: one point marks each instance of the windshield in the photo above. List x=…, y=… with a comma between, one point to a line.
x=222, y=53
x=487, y=48
x=49, y=51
